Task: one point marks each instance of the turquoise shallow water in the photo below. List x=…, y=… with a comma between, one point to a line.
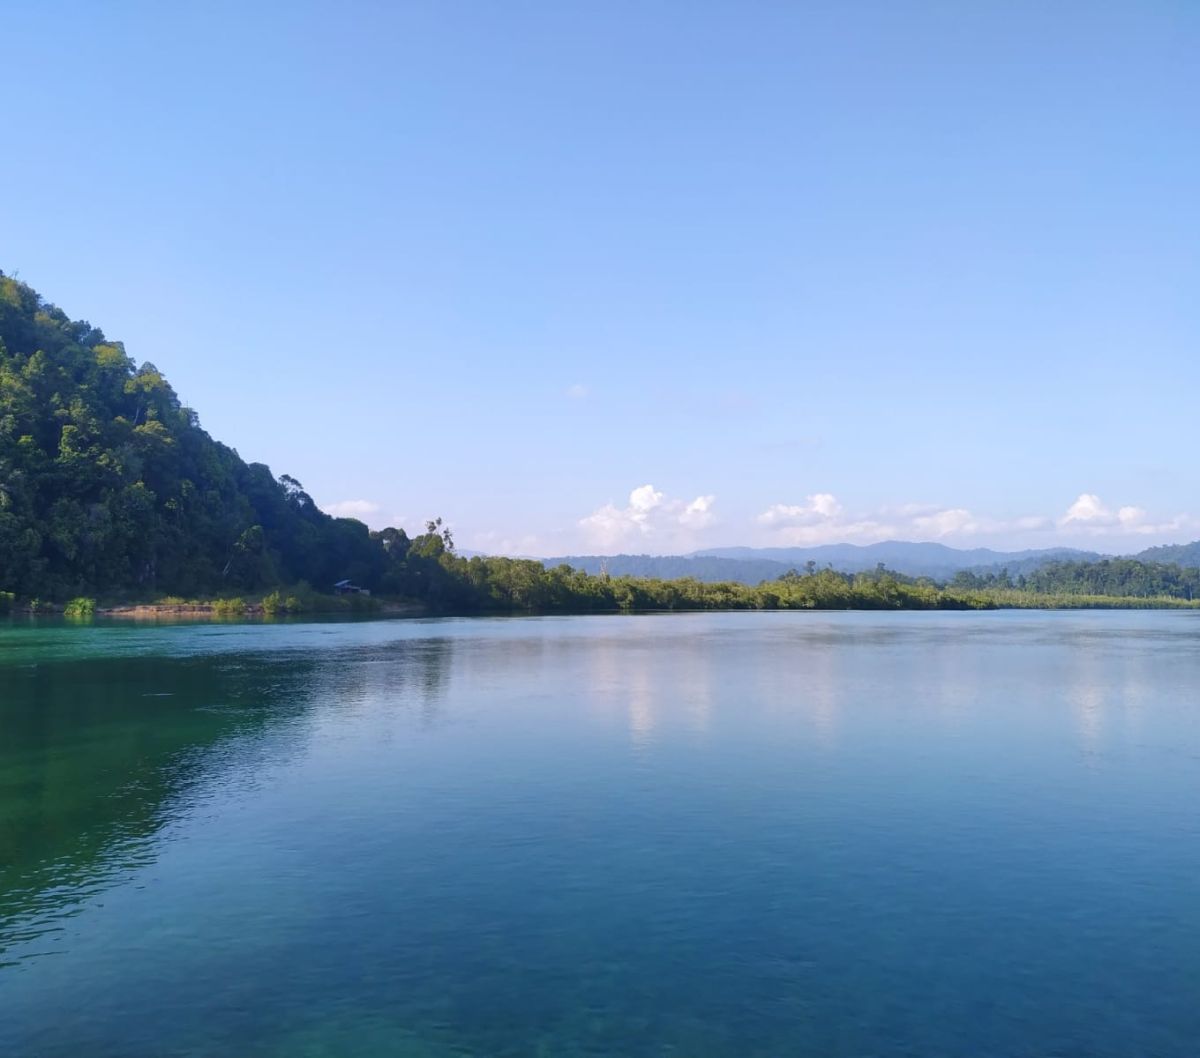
x=704, y=835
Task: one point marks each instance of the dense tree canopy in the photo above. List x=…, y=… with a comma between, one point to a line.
x=109, y=486
x=108, y=483
x=1116, y=576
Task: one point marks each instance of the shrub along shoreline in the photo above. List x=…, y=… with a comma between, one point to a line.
x=301, y=600
x=115, y=502
x=825, y=591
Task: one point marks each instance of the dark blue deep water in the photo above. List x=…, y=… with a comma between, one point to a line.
x=933, y=835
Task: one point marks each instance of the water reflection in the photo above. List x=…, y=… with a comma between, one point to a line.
x=957, y=683
x=100, y=754
x=797, y=678
x=667, y=682
x=818, y=686
x=638, y=836
x=642, y=719
x=413, y=675
x=1087, y=698
x=617, y=683
x=696, y=691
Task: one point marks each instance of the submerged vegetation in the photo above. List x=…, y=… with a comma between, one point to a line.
x=110, y=490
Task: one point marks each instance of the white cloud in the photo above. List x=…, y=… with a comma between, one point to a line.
x=822, y=519
x=607, y=526
x=698, y=513
x=578, y=391
x=1090, y=516
x=649, y=519
x=947, y=522
x=1087, y=509
x=819, y=520
x=643, y=500
x=360, y=509
x=819, y=507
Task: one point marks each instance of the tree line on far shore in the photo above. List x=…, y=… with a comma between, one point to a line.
x=110, y=488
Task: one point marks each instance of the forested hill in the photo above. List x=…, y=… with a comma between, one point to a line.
x=916, y=558
x=748, y=565
x=1187, y=555
x=109, y=487
x=107, y=481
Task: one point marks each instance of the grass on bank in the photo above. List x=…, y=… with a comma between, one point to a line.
x=300, y=599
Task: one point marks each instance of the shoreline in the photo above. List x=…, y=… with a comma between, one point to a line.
x=137, y=611
x=222, y=610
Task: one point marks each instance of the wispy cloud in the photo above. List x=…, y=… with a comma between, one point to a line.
x=578, y=391
x=651, y=520
x=491, y=542
x=360, y=509
x=699, y=513
x=821, y=519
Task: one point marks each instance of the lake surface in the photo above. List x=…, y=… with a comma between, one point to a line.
x=784, y=834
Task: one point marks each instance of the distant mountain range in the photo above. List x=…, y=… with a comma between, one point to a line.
x=913, y=559
x=671, y=567
x=751, y=565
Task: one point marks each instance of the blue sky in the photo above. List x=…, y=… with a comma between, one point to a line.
x=644, y=277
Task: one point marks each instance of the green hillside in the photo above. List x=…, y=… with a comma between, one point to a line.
x=109, y=487
x=108, y=483
x=1187, y=555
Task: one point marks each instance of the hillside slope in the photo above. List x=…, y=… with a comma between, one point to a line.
x=913, y=558
x=1186, y=555
x=107, y=481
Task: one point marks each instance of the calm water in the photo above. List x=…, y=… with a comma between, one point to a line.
x=959, y=835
